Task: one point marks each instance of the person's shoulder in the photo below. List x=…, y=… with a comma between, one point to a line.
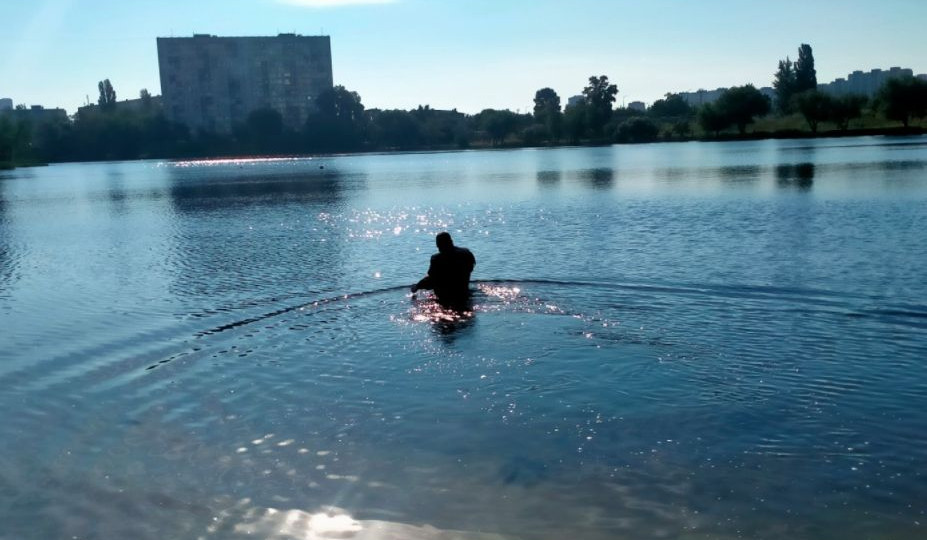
x=466, y=253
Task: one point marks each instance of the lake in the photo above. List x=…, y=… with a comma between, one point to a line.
x=689, y=340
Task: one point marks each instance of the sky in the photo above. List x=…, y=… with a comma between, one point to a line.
x=464, y=54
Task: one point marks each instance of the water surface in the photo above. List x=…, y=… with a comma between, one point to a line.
x=700, y=340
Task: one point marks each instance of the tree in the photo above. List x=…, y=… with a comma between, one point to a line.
x=340, y=103
x=574, y=121
x=712, y=120
x=599, y=96
x=547, y=112
x=6, y=142
x=741, y=104
x=682, y=129
x=263, y=131
x=815, y=107
x=145, y=96
x=671, y=106
x=784, y=83
x=498, y=124
x=902, y=99
x=806, y=77
x=15, y=141
x=534, y=135
x=791, y=79
x=846, y=108
x=338, y=122
x=637, y=130
x=396, y=129
x=107, y=100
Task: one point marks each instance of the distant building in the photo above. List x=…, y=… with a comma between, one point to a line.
x=6, y=104
x=212, y=83
x=702, y=97
x=576, y=100
x=637, y=106
x=36, y=115
x=865, y=84
x=135, y=105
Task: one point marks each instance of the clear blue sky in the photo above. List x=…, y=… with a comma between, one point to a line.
x=468, y=54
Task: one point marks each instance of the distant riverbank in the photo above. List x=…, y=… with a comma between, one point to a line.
x=515, y=144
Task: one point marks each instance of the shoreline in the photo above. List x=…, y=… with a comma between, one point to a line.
x=724, y=137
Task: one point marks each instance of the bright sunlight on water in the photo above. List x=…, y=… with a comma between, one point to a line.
x=697, y=340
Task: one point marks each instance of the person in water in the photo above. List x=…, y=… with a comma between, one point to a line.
x=449, y=271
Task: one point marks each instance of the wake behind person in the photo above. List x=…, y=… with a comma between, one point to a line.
x=449, y=272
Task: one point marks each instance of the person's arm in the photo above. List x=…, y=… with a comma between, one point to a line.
x=425, y=282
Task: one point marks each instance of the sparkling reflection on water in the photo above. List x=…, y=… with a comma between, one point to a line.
x=669, y=341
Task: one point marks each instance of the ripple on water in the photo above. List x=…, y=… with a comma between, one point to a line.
x=546, y=407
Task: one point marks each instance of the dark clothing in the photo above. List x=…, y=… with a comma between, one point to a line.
x=449, y=274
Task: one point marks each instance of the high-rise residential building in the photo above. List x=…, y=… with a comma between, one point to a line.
x=6, y=104
x=703, y=97
x=212, y=83
x=864, y=84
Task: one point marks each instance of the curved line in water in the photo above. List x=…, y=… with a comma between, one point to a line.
x=802, y=295
x=834, y=299
x=289, y=309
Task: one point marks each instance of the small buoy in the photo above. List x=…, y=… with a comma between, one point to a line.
x=321, y=166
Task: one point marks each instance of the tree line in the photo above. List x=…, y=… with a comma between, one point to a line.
x=341, y=123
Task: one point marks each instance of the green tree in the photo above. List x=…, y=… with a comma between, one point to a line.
x=263, y=131
x=547, y=112
x=902, y=99
x=671, y=106
x=806, y=77
x=846, y=108
x=15, y=141
x=534, y=135
x=498, y=124
x=396, y=129
x=6, y=142
x=742, y=104
x=107, y=99
x=712, y=119
x=784, y=84
x=338, y=123
x=637, y=130
x=815, y=107
x=145, y=96
x=574, y=121
x=340, y=103
x=682, y=129
x=600, y=95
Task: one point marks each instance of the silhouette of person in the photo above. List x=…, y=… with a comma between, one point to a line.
x=449, y=272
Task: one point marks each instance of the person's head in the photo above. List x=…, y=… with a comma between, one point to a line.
x=444, y=242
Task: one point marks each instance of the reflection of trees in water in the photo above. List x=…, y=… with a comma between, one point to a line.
x=739, y=174
x=8, y=273
x=549, y=169
x=192, y=190
x=549, y=177
x=599, y=178
x=797, y=175
x=242, y=235
x=116, y=192
x=800, y=175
